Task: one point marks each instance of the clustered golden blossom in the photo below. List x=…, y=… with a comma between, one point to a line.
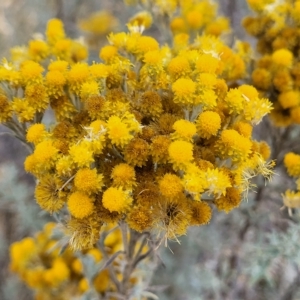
x=54, y=275
x=184, y=17
x=276, y=74
x=96, y=26
x=151, y=135
x=291, y=199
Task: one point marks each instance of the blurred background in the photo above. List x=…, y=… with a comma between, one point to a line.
x=250, y=253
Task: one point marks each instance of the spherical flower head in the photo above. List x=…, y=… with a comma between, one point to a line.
x=201, y=213
x=5, y=108
x=55, y=30
x=180, y=154
x=283, y=80
x=55, y=78
x=221, y=90
x=291, y=199
x=79, y=51
x=295, y=114
x=195, y=19
x=89, y=88
x=159, y=148
x=115, y=199
x=154, y=59
x=256, y=109
x=165, y=123
x=178, y=25
x=97, y=127
x=217, y=182
x=231, y=200
x=207, y=80
x=261, y=79
x=123, y=175
x=249, y=92
x=31, y=72
x=108, y=53
x=208, y=124
x=184, y=90
x=140, y=218
x=80, y=205
x=23, y=109
x=36, y=133
x=180, y=41
x=88, y=181
x=233, y=145
x=170, y=186
x=184, y=130
x=118, y=132
x=30, y=164
x=283, y=58
x=102, y=281
x=235, y=101
x=38, y=49
x=136, y=152
x=289, y=99
x=118, y=39
x=245, y=129
x=207, y=98
x=77, y=76
x=172, y=217
x=145, y=44
x=194, y=181
x=21, y=252
x=140, y=21
x=179, y=66
x=98, y=71
x=292, y=163
x=37, y=96
x=57, y=274
x=207, y=63
x=45, y=153
x=58, y=65
x=81, y=154
x=62, y=49
x=94, y=105
x=218, y=26
x=150, y=104
x=264, y=150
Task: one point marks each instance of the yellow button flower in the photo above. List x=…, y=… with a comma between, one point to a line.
x=282, y=58
x=184, y=90
x=180, y=153
x=36, y=133
x=170, y=185
x=88, y=181
x=80, y=205
x=184, y=130
x=115, y=199
x=208, y=124
x=292, y=163
x=123, y=175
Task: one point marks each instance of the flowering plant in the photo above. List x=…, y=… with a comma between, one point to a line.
x=152, y=137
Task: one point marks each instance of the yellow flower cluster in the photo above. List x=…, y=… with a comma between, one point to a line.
x=53, y=274
x=183, y=17
x=151, y=135
x=277, y=72
x=291, y=199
